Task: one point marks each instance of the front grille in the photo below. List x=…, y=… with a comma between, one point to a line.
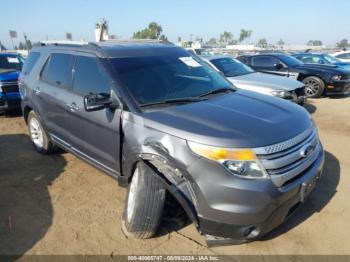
x=285, y=161
x=346, y=77
x=10, y=88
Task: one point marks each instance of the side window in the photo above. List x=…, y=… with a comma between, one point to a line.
x=58, y=70
x=344, y=56
x=244, y=59
x=30, y=62
x=265, y=61
x=90, y=77
x=310, y=59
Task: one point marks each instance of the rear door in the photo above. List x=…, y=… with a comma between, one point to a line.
x=269, y=64
x=93, y=135
x=54, y=82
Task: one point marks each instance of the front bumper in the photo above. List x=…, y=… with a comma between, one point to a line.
x=248, y=209
x=338, y=88
x=299, y=99
x=10, y=101
x=298, y=96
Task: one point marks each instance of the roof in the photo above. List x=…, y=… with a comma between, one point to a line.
x=213, y=57
x=308, y=53
x=114, y=48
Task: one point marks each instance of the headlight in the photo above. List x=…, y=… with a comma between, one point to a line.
x=239, y=162
x=337, y=77
x=280, y=93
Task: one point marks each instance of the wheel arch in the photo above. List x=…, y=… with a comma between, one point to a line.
x=164, y=171
x=26, y=111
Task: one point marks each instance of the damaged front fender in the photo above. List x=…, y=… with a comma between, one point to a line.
x=141, y=143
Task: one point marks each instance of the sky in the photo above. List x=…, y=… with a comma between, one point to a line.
x=294, y=21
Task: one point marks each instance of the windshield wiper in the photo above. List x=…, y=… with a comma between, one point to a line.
x=217, y=91
x=174, y=101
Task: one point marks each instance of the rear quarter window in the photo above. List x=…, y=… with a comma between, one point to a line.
x=30, y=62
x=58, y=70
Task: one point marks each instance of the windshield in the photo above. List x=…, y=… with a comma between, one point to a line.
x=10, y=63
x=176, y=75
x=290, y=61
x=231, y=67
x=331, y=59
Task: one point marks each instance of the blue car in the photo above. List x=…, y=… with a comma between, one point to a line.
x=320, y=58
x=10, y=67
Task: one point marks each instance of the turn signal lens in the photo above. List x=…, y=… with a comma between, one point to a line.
x=220, y=154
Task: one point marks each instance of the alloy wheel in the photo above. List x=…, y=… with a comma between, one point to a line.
x=312, y=87
x=36, y=132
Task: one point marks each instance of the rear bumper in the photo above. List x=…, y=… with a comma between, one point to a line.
x=258, y=209
x=10, y=101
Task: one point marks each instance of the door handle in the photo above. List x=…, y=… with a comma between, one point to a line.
x=37, y=90
x=73, y=107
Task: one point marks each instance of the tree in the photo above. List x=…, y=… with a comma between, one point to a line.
x=280, y=42
x=344, y=43
x=21, y=46
x=225, y=37
x=163, y=38
x=212, y=41
x=314, y=43
x=29, y=44
x=262, y=43
x=245, y=34
x=153, y=31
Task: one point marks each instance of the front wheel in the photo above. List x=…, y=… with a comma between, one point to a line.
x=144, y=203
x=314, y=86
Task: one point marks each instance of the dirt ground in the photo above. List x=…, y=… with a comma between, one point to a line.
x=59, y=205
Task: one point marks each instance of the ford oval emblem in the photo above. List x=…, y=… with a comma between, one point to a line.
x=306, y=150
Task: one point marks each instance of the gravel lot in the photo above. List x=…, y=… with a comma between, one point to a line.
x=60, y=205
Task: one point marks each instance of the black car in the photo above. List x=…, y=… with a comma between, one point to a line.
x=318, y=79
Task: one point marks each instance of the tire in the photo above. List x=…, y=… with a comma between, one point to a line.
x=144, y=204
x=314, y=86
x=38, y=135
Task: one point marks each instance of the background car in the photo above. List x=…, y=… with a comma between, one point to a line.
x=10, y=67
x=343, y=56
x=318, y=79
x=244, y=77
x=320, y=58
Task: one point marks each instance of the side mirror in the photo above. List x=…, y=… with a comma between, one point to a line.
x=322, y=62
x=94, y=102
x=279, y=66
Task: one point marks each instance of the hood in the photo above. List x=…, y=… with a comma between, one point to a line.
x=9, y=76
x=265, y=81
x=327, y=68
x=242, y=119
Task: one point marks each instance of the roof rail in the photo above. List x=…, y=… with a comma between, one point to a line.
x=133, y=40
x=63, y=42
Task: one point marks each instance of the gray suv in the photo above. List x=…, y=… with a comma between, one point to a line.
x=162, y=121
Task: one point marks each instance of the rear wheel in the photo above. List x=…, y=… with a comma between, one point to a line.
x=144, y=203
x=38, y=136
x=314, y=86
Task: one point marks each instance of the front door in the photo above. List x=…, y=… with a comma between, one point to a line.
x=269, y=64
x=94, y=135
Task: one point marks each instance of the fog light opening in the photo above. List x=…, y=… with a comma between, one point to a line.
x=251, y=232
